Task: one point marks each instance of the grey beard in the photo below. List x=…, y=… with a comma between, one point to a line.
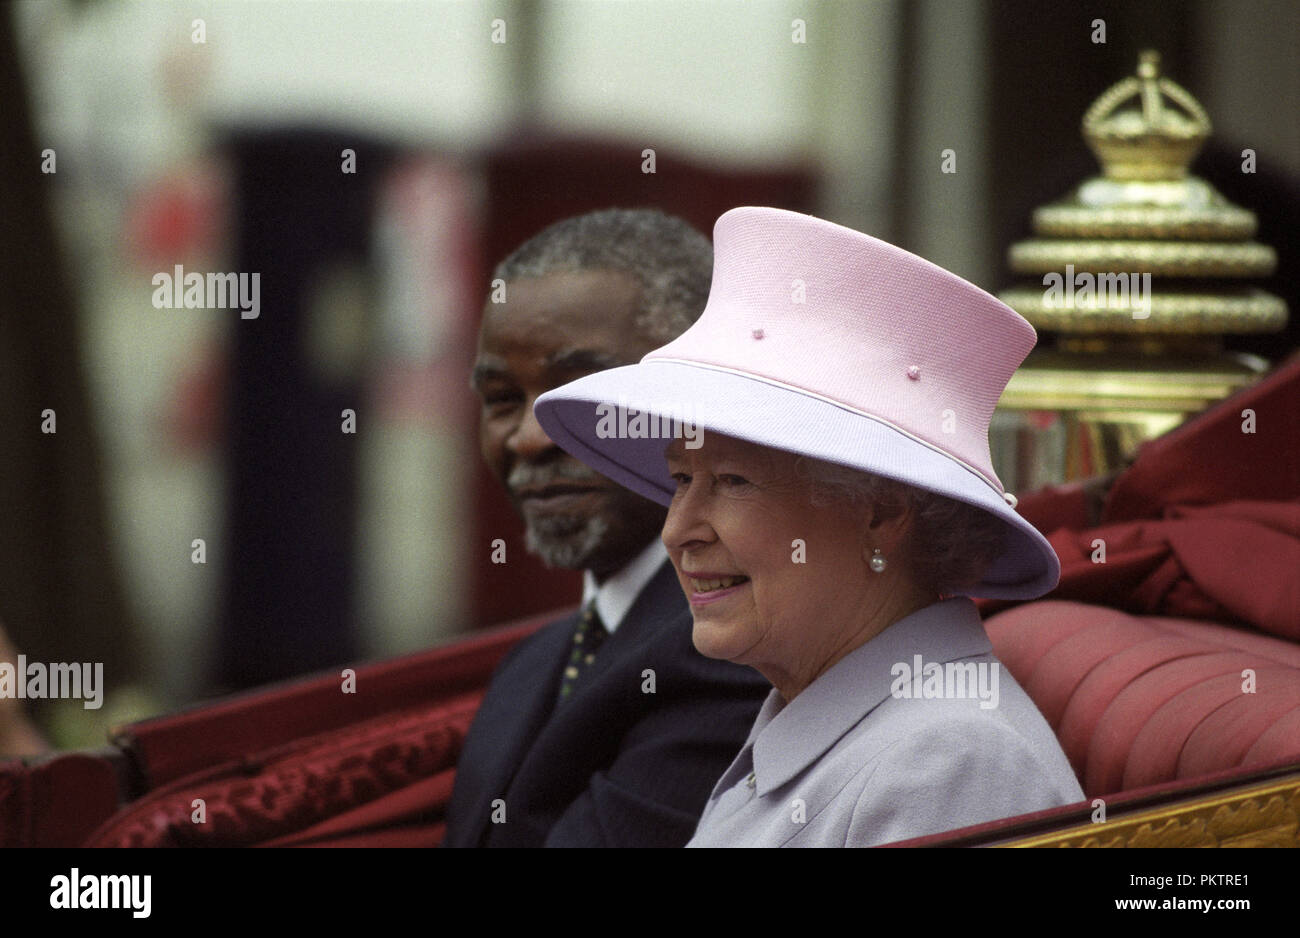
x=565, y=541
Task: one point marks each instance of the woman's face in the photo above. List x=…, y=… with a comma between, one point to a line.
x=773, y=581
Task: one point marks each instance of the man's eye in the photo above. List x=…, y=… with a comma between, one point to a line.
x=732, y=480
x=682, y=480
x=499, y=400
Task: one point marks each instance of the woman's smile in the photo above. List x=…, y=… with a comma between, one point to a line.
x=707, y=588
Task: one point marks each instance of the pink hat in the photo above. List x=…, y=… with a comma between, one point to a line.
x=826, y=342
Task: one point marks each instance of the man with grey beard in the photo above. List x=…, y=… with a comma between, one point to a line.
x=606, y=728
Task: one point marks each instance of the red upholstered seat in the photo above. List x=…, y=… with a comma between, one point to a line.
x=1138, y=700
x=1276, y=743
x=1063, y=667
x=56, y=802
x=394, y=770
x=374, y=769
x=1230, y=732
x=1103, y=684
x=300, y=764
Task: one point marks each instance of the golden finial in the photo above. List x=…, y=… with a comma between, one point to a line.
x=1140, y=271
x=1157, y=140
x=1147, y=215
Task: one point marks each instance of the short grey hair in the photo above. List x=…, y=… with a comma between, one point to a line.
x=951, y=545
x=671, y=261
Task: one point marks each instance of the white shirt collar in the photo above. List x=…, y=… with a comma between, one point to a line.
x=615, y=596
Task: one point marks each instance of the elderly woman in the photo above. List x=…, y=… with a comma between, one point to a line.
x=820, y=436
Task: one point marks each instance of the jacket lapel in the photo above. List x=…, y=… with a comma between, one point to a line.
x=562, y=749
x=509, y=721
x=801, y=732
x=659, y=603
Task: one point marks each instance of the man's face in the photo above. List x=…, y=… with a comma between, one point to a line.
x=552, y=330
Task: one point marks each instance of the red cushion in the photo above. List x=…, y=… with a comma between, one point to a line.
x=1221, y=636
x=408, y=806
x=1231, y=731
x=388, y=771
x=1277, y=744
x=1126, y=716
x=1025, y=633
x=1139, y=700
x=1164, y=736
x=1060, y=670
x=1103, y=684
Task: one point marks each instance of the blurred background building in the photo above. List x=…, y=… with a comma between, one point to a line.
x=201, y=521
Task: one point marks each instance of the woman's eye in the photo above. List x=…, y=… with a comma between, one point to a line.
x=733, y=480
x=681, y=478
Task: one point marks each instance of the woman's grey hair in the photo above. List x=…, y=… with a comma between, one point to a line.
x=950, y=545
x=670, y=259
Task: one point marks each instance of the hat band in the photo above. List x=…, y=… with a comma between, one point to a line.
x=991, y=483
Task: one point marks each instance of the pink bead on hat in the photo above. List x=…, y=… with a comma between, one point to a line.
x=823, y=341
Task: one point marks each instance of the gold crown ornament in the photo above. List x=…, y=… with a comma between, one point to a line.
x=1140, y=271
x=1147, y=215
x=1156, y=140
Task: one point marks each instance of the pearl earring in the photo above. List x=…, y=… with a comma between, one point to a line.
x=877, y=561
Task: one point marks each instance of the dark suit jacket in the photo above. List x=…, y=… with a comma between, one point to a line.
x=612, y=765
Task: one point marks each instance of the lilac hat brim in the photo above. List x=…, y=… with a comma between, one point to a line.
x=785, y=418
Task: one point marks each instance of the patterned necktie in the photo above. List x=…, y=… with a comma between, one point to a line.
x=587, y=637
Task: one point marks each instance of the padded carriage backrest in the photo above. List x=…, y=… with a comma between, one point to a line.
x=387, y=751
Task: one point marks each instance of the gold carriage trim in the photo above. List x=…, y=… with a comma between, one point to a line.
x=1263, y=815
